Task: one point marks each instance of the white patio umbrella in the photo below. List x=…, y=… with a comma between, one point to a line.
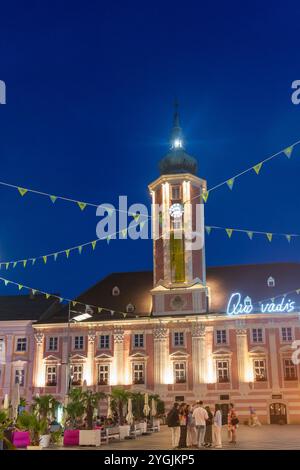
x=64, y=415
x=84, y=386
x=153, y=408
x=15, y=402
x=129, y=416
x=146, y=409
x=6, y=402
x=109, y=410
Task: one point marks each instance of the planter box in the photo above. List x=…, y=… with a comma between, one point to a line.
x=21, y=439
x=45, y=441
x=71, y=437
x=90, y=437
x=124, y=431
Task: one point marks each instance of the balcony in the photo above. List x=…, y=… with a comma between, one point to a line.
x=77, y=383
x=138, y=381
x=180, y=381
x=223, y=380
x=103, y=382
x=260, y=378
x=52, y=383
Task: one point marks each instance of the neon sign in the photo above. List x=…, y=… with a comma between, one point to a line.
x=235, y=305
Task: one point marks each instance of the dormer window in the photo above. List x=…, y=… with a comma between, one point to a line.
x=116, y=291
x=130, y=308
x=176, y=192
x=271, y=281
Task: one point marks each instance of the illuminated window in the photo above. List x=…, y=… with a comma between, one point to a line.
x=53, y=343
x=51, y=376
x=2, y=351
x=286, y=334
x=138, y=373
x=223, y=371
x=21, y=344
x=257, y=335
x=179, y=372
x=20, y=377
x=103, y=374
x=104, y=342
x=176, y=192
x=76, y=374
x=290, y=370
x=260, y=371
x=271, y=281
x=138, y=340
x=178, y=338
x=78, y=342
x=221, y=337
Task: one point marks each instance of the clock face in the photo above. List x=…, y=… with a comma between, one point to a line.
x=176, y=210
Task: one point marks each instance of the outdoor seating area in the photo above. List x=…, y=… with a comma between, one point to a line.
x=36, y=426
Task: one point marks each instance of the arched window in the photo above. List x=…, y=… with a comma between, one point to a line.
x=271, y=282
x=115, y=291
x=130, y=308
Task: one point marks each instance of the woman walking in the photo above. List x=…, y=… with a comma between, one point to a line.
x=183, y=420
x=191, y=439
x=208, y=429
x=232, y=424
x=218, y=427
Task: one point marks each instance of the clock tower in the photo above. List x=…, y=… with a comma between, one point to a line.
x=178, y=232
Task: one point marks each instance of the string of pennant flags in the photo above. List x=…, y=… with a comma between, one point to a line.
x=251, y=233
x=62, y=300
x=287, y=151
x=256, y=168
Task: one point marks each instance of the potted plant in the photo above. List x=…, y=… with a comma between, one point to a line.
x=120, y=398
x=45, y=406
x=4, y=424
x=36, y=426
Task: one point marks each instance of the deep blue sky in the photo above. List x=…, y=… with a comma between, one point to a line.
x=90, y=87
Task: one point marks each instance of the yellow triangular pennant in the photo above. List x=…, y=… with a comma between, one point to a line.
x=288, y=237
x=124, y=232
x=257, y=168
x=6, y=282
x=20, y=286
x=108, y=239
x=33, y=261
x=230, y=183
x=229, y=232
x=269, y=236
x=74, y=303
x=288, y=151
x=47, y=296
x=205, y=195
x=80, y=249
x=250, y=234
x=15, y=264
x=22, y=191
x=136, y=217
x=45, y=259
x=142, y=223
x=82, y=205
x=53, y=198
x=94, y=244
x=100, y=309
x=55, y=256
x=7, y=265
x=67, y=253
x=24, y=263
x=208, y=230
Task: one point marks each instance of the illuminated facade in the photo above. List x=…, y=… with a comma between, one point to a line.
x=188, y=332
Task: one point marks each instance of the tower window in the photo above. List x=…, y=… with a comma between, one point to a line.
x=176, y=193
x=115, y=291
x=271, y=281
x=130, y=308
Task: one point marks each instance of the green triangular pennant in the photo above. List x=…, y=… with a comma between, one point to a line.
x=24, y=263
x=208, y=230
x=250, y=234
x=22, y=191
x=124, y=232
x=229, y=232
x=15, y=264
x=74, y=303
x=136, y=217
x=257, y=168
x=80, y=249
x=6, y=282
x=142, y=223
x=45, y=259
x=7, y=265
x=53, y=198
x=100, y=309
x=108, y=239
x=230, y=183
x=20, y=287
x=55, y=256
x=82, y=205
x=33, y=291
x=33, y=261
x=205, y=195
x=94, y=244
x=288, y=237
x=288, y=151
x=269, y=236
x=47, y=296
x=67, y=253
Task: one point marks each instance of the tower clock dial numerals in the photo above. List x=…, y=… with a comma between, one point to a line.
x=176, y=210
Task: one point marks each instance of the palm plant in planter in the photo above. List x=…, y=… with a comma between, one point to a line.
x=34, y=424
x=120, y=396
x=45, y=405
x=91, y=401
x=4, y=424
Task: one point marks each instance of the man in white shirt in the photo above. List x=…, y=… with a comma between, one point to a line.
x=200, y=416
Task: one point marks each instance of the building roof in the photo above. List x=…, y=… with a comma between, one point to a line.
x=25, y=307
x=133, y=288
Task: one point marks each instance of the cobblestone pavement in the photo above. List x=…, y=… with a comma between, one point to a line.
x=265, y=437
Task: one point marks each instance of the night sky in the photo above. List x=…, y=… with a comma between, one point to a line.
x=90, y=91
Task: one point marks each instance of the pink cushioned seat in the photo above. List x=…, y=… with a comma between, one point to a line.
x=71, y=437
x=21, y=439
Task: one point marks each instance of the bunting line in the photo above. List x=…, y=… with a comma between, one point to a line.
x=251, y=233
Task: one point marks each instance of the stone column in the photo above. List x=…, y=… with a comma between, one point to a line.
x=89, y=366
x=118, y=375
x=39, y=369
x=162, y=369
x=273, y=358
x=8, y=364
x=64, y=375
x=242, y=357
x=199, y=354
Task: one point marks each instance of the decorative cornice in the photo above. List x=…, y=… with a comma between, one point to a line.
x=198, y=330
x=39, y=338
x=118, y=335
x=160, y=333
x=91, y=336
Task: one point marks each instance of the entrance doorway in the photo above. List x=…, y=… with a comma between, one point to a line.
x=278, y=413
x=224, y=410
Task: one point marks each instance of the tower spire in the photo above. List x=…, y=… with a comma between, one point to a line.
x=176, y=133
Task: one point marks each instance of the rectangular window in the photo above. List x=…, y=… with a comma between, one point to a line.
x=53, y=343
x=176, y=193
x=257, y=335
x=51, y=376
x=260, y=371
x=178, y=338
x=103, y=374
x=290, y=370
x=2, y=351
x=78, y=342
x=139, y=373
x=138, y=340
x=223, y=371
x=104, y=342
x=20, y=377
x=21, y=344
x=221, y=337
x=76, y=374
x=286, y=334
x=180, y=372
x=177, y=223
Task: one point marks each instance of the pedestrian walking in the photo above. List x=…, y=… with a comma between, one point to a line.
x=173, y=423
x=183, y=418
x=217, y=427
x=208, y=429
x=232, y=424
x=191, y=439
x=200, y=416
